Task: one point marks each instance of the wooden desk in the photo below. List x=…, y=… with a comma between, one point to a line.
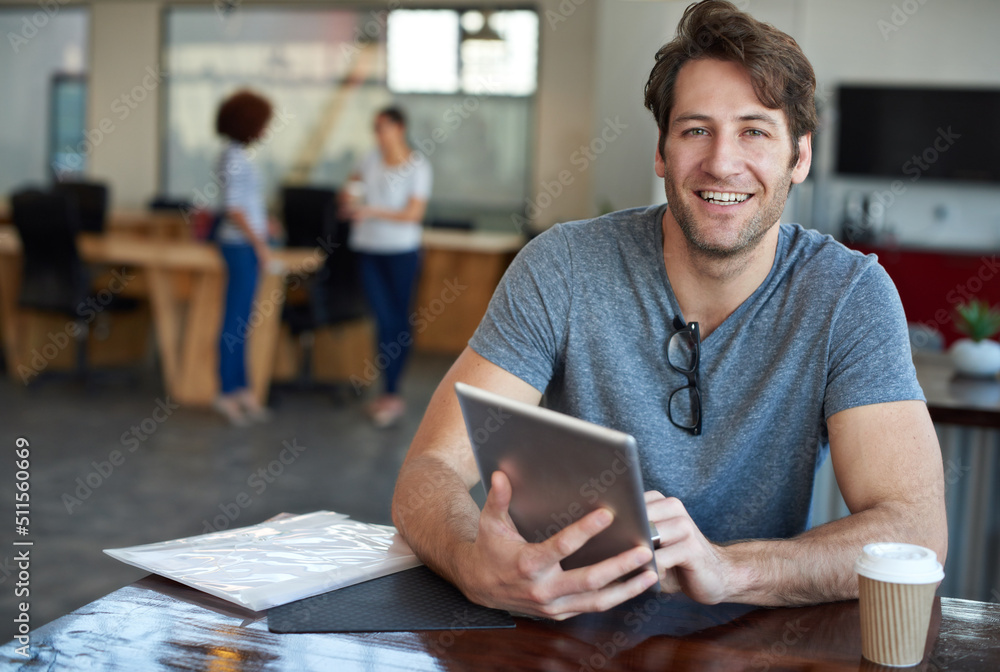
x=185, y=281
x=159, y=224
x=156, y=624
x=460, y=271
x=955, y=400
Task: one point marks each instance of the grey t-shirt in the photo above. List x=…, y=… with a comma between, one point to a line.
x=584, y=313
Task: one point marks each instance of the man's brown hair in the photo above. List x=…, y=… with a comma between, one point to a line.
x=243, y=116
x=781, y=75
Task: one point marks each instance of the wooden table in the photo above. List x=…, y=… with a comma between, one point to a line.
x=956, y=400
x=460, y=270
x=136, y=222
x=185, y=284
x=156, y=624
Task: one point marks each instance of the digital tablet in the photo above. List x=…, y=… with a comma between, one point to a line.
x=560, y=469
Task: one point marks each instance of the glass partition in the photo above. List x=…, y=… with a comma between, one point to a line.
x=469, y=94
x=42, y=73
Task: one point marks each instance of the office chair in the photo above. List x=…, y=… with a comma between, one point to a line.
x=309, y=213
x=91, y=201
x=335, y=293
x=54, y=278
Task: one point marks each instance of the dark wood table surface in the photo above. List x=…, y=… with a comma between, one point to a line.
x=156, y=624
x=956, y=400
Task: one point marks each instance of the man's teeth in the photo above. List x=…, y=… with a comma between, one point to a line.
x=723, y=196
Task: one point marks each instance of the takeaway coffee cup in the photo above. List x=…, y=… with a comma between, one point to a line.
x=896, y=585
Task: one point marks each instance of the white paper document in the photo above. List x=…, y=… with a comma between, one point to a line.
x=273, y=563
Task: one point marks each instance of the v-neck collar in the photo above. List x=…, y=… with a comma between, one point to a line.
x=779, y=253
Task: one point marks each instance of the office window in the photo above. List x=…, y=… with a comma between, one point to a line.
x=423, y=51
x=68, y=144
x=327, y=71
x=44, y=47
x=447, y=51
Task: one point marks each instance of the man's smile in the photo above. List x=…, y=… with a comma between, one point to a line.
x=723, y=197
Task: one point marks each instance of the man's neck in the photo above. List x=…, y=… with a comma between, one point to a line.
x=709, y=289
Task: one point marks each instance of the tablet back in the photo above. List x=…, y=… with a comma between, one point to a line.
x=560, y=469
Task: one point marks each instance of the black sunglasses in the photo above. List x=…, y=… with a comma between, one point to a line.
x=684, y=356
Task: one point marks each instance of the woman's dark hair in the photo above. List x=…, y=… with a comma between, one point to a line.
x=243, y=116
x=780, y=73
x=394, y=114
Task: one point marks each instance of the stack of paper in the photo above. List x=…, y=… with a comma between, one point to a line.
x=262, y=566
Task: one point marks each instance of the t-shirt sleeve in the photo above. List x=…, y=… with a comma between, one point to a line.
x=524, y=329
x=870, y=361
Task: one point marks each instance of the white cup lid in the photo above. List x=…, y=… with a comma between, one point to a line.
x=899, y=563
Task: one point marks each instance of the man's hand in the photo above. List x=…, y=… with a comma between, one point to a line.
x=503, y=570
x=687, y=560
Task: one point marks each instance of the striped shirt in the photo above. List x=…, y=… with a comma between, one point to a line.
x=240, y=191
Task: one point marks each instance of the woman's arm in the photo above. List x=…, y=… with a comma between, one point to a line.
x=413, y=212
x=259, y=244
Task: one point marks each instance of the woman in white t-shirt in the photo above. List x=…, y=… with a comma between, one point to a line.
x=386, y=234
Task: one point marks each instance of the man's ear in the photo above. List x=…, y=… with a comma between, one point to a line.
x=801, y=168
x=658, y=161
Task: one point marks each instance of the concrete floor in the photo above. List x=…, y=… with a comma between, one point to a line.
x=185, y=474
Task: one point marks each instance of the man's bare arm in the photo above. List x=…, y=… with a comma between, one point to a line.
x=431, y=506
x=483, y=554
x=888, y=465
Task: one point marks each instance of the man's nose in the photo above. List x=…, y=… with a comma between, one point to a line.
x=724, y=158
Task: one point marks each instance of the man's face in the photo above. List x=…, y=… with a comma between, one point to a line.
x=726, y=160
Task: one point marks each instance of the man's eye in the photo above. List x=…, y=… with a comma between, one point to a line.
x=756, y=132
x=695, y=131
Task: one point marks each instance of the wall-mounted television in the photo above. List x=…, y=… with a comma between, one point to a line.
x=913, y=133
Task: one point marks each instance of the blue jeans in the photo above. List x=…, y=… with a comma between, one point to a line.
x=389, y=280
x=241, y=260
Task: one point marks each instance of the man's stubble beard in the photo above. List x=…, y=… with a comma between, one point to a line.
x=749, y=236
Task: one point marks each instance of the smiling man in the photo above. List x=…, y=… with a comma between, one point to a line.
x=739, y=352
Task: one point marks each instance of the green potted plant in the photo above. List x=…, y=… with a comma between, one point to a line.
x=977, y=355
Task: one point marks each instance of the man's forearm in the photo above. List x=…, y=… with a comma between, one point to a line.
x=818, y=565
x=434, y=512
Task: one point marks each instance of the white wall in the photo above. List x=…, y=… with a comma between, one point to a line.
x=952, y=43
x=123, y=104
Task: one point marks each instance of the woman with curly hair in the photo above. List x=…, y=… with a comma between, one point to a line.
x=242, y=235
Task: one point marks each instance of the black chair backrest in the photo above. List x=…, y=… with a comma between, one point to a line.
x=91, y=200
x=338, y=294
x=309, y=214
x=53, y=276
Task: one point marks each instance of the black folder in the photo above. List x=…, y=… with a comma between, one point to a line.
x=414, y=599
